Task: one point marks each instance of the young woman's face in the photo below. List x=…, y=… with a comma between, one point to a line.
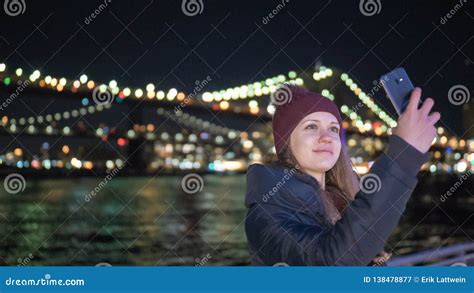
x=315, y=142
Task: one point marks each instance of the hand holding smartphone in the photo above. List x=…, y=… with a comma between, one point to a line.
x=398, y=87
x=415, y=124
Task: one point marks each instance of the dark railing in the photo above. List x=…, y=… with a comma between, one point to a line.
x=454, y=255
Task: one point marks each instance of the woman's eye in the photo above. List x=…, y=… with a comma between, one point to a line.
x=335, y=129
x=311, y=126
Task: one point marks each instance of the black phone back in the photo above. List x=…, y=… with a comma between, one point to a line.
x=398, y=87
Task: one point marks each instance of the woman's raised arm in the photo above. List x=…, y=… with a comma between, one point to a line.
x=277, y=234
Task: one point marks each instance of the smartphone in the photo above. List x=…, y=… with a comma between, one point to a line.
x=398, y=87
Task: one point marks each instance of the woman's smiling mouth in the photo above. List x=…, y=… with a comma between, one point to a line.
x=323, y=151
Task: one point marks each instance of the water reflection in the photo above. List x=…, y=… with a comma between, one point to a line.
x=151, y=221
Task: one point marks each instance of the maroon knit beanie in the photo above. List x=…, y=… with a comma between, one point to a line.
x=293, y=103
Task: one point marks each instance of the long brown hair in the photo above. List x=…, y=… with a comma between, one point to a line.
x=342, y=182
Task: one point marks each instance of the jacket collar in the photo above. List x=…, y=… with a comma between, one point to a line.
x=299, y=190
x=301, y=176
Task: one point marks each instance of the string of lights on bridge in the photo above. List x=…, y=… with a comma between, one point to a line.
x=222, y=97
x=256, y=89
x=210, y=134
x=252, y=90
x=58, y=116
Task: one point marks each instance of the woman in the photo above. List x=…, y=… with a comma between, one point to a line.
x=309, y=208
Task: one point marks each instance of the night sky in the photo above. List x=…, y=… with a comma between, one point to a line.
x=136, y=42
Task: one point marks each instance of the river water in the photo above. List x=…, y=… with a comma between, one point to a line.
x=152, y=221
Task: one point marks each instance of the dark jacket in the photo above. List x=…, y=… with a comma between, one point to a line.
x=286, y=223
